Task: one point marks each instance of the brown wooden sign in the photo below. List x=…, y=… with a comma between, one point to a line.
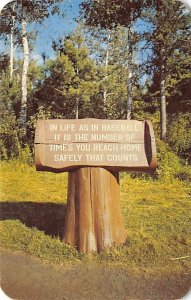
x=118, y=145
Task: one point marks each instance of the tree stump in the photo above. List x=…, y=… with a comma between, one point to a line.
x=93, y=219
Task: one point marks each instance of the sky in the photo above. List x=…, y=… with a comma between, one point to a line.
x=52, y=28
x=55, y=27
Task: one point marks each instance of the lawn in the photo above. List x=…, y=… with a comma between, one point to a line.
x=156, y=215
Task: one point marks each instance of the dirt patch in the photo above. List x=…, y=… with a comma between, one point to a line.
x=24, y=278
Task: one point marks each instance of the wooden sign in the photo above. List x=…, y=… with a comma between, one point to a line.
x=118, y=145
x=94, y=151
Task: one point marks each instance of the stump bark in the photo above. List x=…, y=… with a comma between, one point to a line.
x=93, y=219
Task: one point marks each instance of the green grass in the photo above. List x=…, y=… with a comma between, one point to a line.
x=156, y=215
x=21, y=182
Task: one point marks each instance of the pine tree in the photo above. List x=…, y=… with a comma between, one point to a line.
x=72, y=81
x=170, y=57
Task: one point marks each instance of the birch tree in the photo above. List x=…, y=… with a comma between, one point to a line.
x=27, y=12
x=109, y=14
x=25, y=45
x=12, y=43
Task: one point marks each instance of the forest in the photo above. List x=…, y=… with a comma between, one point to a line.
x=117, y=60
x=123, y=60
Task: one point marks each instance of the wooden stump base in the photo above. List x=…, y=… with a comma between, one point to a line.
x=93, y=218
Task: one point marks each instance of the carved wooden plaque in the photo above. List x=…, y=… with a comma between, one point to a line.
x=118, y=145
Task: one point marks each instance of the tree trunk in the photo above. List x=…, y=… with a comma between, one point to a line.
x=77, y=98
x=23, y=114
x=77, y=108
x=93, y=220
x=106, y=73
x=130, y=73
x=11, y=46
x=105, y=79
x=162, y=103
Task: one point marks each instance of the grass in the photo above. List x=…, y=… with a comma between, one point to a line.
x=155, y=213
x=21, y=182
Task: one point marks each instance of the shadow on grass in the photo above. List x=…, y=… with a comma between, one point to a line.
x=47, y=217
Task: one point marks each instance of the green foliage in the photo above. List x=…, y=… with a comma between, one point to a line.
x=10, y=91
x=9, y=136
x=35, y=12
x=43, y=112
x=25, y=156
x=168, y=162
x=108, y=14
x=179, y=135
x=184, y=173
x=10, y=139
x=169, y=165
x=10, y=131
x=171, y=53
x=72, y=80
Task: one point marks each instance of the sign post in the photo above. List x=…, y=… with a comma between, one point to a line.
x=94, y=151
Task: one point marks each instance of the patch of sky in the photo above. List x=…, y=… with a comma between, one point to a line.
x=143, y=26
x=143, y=49
x=55, y=28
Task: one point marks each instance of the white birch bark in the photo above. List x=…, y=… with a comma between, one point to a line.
x=130, y=73
x=163, y=117
x=23, y=114
x=106, y=72
x=12, y=45
x=77, y=108
x=77, y=98
x=11, y=53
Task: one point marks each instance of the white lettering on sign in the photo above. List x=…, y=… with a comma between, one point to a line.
x=83, y=147
x=121, y=157
x=81, y=136
x=120, y=127
x=67, y=127
x=94, y=157
x=96, y=142
x=83, y=127
x=93, y=142
x=95, y=127
x=131, y=147
x=64, y=147
x=105, y=147
x=57, y=137
x=106, y=137
x=130, y=136
x=68, y=157
x=53, y=127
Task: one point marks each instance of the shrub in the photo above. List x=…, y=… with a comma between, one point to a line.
x=184, y=173
x=9, y=134
x=168, y=162
x=42, y=113
x=26, y=156
x=179, y=135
